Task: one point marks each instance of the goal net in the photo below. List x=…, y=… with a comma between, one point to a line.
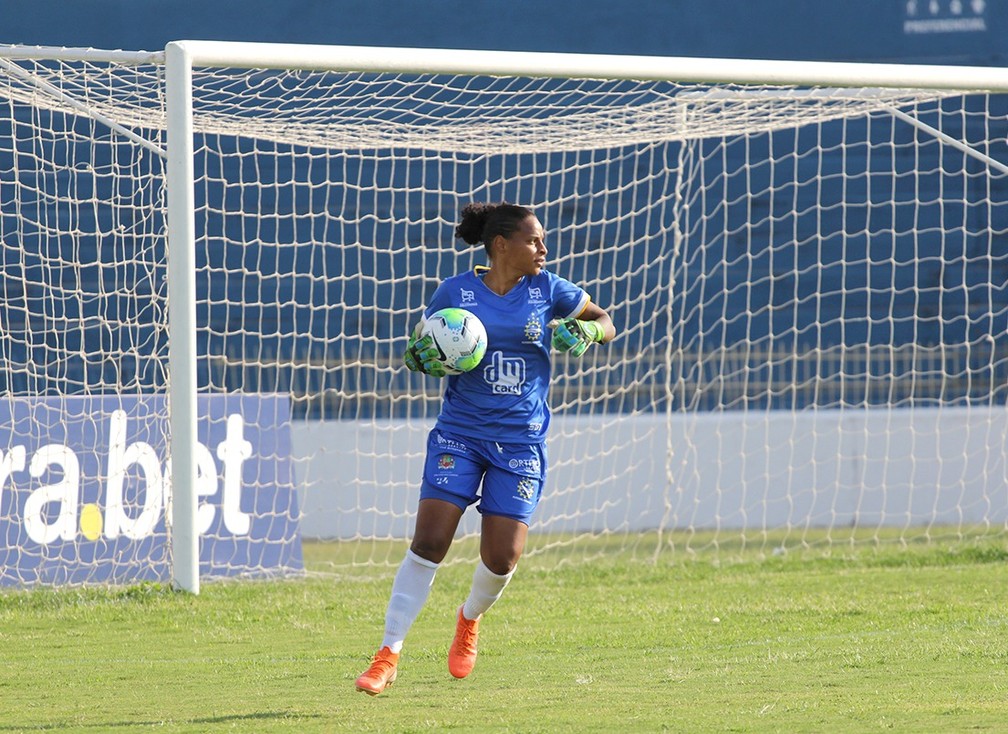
x=807, y=281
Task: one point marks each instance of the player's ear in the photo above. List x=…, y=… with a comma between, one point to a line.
x=498, y=244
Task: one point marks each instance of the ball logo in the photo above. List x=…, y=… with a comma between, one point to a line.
x=505, y=375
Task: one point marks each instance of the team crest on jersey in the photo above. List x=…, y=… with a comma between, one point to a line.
x=535, y=295
x=468, y=297
x=446, y=461
x=533, y=329
x=526, y=488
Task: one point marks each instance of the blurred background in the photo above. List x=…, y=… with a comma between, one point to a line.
x=917, y=31
x=855, y=263
x=903, y=271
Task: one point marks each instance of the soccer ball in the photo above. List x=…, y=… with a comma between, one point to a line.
x=459, y=336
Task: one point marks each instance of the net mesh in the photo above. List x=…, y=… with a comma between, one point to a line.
x=810, y=299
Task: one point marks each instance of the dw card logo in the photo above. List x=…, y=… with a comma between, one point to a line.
x=505, y=375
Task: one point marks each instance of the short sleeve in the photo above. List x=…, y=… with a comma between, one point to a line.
x=569, y=300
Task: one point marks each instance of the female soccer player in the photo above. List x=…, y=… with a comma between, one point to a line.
x=492, y=427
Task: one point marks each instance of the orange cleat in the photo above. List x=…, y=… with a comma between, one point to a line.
x=462, y=653
x=381, y=674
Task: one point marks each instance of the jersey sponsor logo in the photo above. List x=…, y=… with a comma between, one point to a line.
x=505, y=375
x=452, y=444
x=528, y=464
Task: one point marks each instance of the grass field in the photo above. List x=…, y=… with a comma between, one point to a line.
x=897, y=639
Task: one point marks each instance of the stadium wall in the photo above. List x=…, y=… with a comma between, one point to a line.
x=934, y=31
x=863, y=468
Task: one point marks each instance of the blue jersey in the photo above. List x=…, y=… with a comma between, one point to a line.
x=505, y=397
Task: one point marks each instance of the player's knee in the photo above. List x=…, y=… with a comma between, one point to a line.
x=430, y=549
x=500, y=564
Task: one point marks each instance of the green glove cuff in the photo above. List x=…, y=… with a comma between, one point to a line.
x=593, y=330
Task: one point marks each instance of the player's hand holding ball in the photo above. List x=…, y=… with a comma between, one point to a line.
x=452, y=341
x=422, y=356
x=574, y=335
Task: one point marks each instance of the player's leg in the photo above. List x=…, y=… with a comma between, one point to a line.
x=507, y=505
x=436, y=523
x=501, y=544
x=449, y=485
x=435, y=527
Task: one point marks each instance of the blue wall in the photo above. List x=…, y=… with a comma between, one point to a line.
x=946, y=31
x=946, y=295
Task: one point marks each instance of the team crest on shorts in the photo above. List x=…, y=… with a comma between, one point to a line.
x=446, y=461
x=526, y=488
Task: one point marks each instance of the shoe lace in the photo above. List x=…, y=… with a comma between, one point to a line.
x=468, y=636
x=380, y=666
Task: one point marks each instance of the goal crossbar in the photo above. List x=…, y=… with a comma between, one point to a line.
x=235, y=54
x=590, y=66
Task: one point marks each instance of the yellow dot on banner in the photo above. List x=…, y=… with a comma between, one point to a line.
x=91, y=521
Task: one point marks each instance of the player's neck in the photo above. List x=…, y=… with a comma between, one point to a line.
x=501, y=280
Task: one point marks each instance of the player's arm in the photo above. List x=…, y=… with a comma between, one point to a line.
x=592, y=326
x=421, y=354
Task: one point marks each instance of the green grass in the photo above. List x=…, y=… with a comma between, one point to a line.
x=898, y=639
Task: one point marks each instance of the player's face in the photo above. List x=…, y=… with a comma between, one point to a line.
x=525, y=249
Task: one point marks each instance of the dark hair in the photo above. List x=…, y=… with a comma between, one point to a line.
x=481, y=222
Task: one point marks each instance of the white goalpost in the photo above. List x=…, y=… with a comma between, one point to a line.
x=212, y=256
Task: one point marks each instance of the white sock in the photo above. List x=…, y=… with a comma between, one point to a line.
x=487, y=588
x=410, y=590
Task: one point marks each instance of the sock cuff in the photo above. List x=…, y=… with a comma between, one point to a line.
x=483, y=568
x=421, y=561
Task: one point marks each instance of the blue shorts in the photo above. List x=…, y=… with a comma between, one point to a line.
x=511, y=474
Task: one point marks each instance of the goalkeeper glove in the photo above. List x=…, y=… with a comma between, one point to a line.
x=574, y=335
x=422, y=356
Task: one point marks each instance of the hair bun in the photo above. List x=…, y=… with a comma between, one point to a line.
x=474, y=218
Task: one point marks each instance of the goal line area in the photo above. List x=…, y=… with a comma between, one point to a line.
x=212, y=256
x=882, y=546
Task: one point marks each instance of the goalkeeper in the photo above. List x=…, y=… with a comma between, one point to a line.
x=488, y=445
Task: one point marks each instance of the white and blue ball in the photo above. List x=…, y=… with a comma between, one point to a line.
x=459, y=336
